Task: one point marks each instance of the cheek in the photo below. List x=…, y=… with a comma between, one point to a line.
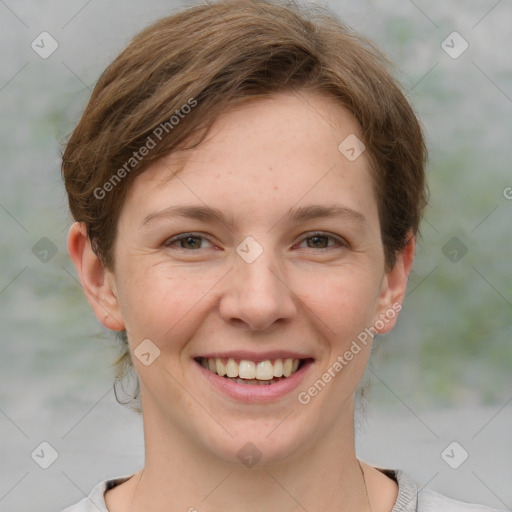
x=344, y=301
x=344, y=304
x=166, y=303
x=162, y=303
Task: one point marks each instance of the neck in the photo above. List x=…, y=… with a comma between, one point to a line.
x=323, y=476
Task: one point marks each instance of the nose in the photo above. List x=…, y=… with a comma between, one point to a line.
x=256, y=295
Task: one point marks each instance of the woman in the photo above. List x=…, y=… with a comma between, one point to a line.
x=247, y=182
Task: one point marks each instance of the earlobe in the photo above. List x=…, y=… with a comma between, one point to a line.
x=97, y=282
x=394, y=287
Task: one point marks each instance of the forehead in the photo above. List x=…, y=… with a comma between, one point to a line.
x=264, y=154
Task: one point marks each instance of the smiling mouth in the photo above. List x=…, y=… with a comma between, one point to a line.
x=252, y=372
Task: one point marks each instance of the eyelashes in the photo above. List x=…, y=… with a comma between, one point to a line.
x=187, y=237
x=191, y=239
x=324, y=236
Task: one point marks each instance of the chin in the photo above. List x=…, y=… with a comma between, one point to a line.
x=257, y=444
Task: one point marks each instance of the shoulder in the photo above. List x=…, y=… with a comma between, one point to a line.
x=429, y=500
x=95, y=502
x=409, y=499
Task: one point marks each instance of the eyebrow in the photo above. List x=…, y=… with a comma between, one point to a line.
x=295, y=216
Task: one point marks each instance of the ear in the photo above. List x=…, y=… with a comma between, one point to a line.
x=393, y=289
x=97, y=282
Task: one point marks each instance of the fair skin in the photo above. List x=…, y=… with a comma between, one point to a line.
x=302, y=296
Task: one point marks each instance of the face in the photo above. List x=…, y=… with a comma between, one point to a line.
x=262, y=256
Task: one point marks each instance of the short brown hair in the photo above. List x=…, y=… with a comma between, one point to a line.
x=214, y=56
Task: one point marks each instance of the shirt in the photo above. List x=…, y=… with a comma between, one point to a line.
x=409, y=499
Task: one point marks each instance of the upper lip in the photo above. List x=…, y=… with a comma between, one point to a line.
x=255, y=356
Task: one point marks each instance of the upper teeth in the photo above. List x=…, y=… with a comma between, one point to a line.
x=261, y=370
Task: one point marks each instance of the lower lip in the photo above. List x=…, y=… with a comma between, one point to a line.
x=256, y=392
